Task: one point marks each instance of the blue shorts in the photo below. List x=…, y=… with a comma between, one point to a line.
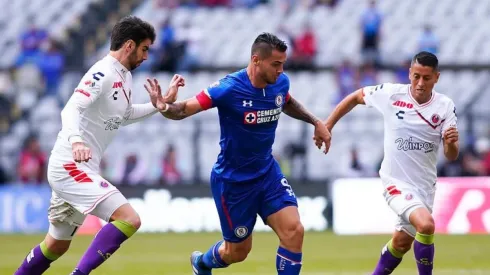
x=239, y=203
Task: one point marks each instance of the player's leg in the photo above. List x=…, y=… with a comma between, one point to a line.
x=123, y=222
x=64, y=221
x=237, y=208
x=393, y=252
x=423, y=247
x=279, y=210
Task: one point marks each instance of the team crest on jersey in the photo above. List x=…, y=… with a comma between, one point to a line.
x=435, y=118
x=241, y=231
x=409, y=197
x=104, y=184
x=279, y=100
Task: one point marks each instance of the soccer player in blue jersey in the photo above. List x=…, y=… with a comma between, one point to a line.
x=246, y=180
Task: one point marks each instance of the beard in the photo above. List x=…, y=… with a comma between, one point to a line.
x=133, y=61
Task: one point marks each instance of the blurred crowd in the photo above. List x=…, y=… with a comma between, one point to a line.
x=39, y=67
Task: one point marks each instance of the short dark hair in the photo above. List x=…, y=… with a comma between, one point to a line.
x=426, y=59
x=265, y=43
x=131, y=28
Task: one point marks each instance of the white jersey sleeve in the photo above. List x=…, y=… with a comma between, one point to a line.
x=451, y=118
x=138, y=112
x=378, y=96
x=86, y=93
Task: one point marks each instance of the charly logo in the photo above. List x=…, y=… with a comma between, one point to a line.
x=112, y=124
x=411, y=145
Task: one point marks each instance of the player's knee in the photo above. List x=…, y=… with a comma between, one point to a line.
x=127, y=214
x=402, y=245
x=57, y=247
x=292, y=236
x=134, y=220
x=236, y=254
x=426, y=227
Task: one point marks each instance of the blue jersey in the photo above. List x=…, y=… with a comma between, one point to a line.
x=248, y=119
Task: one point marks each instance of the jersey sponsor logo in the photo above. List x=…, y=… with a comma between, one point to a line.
x=279, y=100
x=112, y=124
x=247, y=103
x=403, y=104
x=85, y=93
x=263, y=116
x=411, y=145
x=117, y=85
x=89, y=83
x=250, y=117
x=241, y=231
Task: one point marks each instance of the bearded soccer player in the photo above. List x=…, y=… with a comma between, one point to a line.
x=416, y=119
x=246, y=180
x=100, y=104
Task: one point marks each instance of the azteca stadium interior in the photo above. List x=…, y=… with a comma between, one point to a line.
x=163, y=166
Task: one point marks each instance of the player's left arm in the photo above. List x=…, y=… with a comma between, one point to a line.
x=295, y=109
x=139, y=112
x=450, y=134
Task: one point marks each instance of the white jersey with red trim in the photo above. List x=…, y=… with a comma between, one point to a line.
x=413, y=132
x=100, y=104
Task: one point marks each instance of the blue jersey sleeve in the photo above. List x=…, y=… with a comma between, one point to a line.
x=220, y=91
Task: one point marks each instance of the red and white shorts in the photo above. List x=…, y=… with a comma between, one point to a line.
x=77, y=192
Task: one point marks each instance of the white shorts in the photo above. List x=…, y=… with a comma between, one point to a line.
x=403, y=199
x=77, y=192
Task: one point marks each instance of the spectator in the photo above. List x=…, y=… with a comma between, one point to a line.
x=428, y=41
x=190, y=38
x=368, y=75
x=32, y=162
x=305, y=49
x=402, y=72
x=346, y=78
x=170, y=173
x=31, y=42
x=51, y=65
x=371, y=32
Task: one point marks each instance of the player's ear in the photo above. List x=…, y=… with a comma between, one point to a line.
x=130, y=44
x=410, y=73
x=255, y=60
x=438, y=74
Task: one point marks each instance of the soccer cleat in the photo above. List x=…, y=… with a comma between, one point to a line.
x=196, y=268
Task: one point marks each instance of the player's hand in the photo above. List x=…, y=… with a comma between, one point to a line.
x=81, y=152
x=155, y=92
x=451, y=135
x=173, y=88
x=322, y=136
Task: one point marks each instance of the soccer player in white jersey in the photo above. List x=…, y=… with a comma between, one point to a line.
x=100, y=104
x=416, y=118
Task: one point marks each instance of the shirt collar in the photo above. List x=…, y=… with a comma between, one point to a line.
x=119, y=67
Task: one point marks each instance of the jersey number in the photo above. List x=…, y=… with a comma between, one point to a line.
x=289, y=189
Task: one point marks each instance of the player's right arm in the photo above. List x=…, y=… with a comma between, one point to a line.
x=86, y=93
x=372, y=96
x=344, y=107
x=206, y=99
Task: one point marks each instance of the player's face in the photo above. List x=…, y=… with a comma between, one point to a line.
x=139, y=54
x=273, y=66
x=423, y=79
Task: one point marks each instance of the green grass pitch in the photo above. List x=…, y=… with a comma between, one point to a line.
x=324, y=254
